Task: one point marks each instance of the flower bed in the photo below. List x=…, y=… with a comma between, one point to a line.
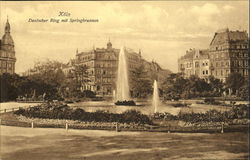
x=62, y=111
x=238, y=112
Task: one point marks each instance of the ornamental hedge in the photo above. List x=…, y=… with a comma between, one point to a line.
x=236, y=112
x=63, y=111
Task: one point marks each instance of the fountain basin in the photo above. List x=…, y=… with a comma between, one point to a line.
x=125, y=103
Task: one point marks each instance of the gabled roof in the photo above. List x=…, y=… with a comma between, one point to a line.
x=189, y=54
x=204, y=53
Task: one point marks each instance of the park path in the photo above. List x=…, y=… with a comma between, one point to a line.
x=19, y=143
x=10, y=105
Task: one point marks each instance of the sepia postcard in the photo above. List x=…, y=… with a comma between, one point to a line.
x=124, y=80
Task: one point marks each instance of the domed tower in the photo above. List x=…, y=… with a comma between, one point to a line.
x=109, y=45
x=7, y=51
x=7, y=41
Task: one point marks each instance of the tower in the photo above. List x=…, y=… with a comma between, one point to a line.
x=7, y=51
x=7, y=43
x=109, y=45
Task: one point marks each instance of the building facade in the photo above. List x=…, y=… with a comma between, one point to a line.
x=7, y=52
x=228, y=52
x=195, y=62
x=102, y=65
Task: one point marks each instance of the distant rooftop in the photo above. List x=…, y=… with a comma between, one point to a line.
x=225, y=35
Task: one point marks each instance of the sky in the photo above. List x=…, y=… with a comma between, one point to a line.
x=163, y=30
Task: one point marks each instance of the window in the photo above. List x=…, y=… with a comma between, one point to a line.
x=246, y=63
x=221, y=73
x=240, y=63
x=217, y=64
x=206, y=72
x=203, y=72
x=4, y=65
x=235, y=63
x=196, y=64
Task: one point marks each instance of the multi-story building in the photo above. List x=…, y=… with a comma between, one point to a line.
x=102, y=65
x=195, y=62
x=7, y=52
x=228, y=52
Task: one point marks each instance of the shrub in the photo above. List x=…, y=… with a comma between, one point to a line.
x=89, y=94
x=237, y=112
x=61, y=111
x=180, y=105
x=20, y=111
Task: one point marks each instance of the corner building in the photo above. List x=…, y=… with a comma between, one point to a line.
x=102, y=66
x=228, y=52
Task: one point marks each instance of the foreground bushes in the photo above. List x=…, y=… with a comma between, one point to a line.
x=237, y=112
x=61, y=111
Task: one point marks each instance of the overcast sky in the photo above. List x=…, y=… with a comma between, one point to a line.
x=163, y=30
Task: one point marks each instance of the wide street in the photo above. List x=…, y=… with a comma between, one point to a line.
x=58, y=144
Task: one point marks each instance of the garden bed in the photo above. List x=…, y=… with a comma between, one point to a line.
x=56, y=115
x=11, y=119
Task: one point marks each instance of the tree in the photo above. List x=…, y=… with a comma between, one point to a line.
x=216, y=85
x=48, y=75
x=8, y=86
x=174, y=85
x=141, y=84
x=235, y=81
x=14, y=85
x=244, y=91
x=75, y=80
x=81, y=74
x=49, y=72
x=198, y=85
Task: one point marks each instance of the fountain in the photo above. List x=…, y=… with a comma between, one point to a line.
x=155, y=97
x=122, y=93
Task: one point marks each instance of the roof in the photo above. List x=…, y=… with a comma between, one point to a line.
x=204, y=53
x=229, y=36
x=189, y=54
x=7, y=39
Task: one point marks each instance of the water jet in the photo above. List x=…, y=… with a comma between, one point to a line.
x=122, y=86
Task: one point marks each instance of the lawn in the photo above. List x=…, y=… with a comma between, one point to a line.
x=58, y=144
